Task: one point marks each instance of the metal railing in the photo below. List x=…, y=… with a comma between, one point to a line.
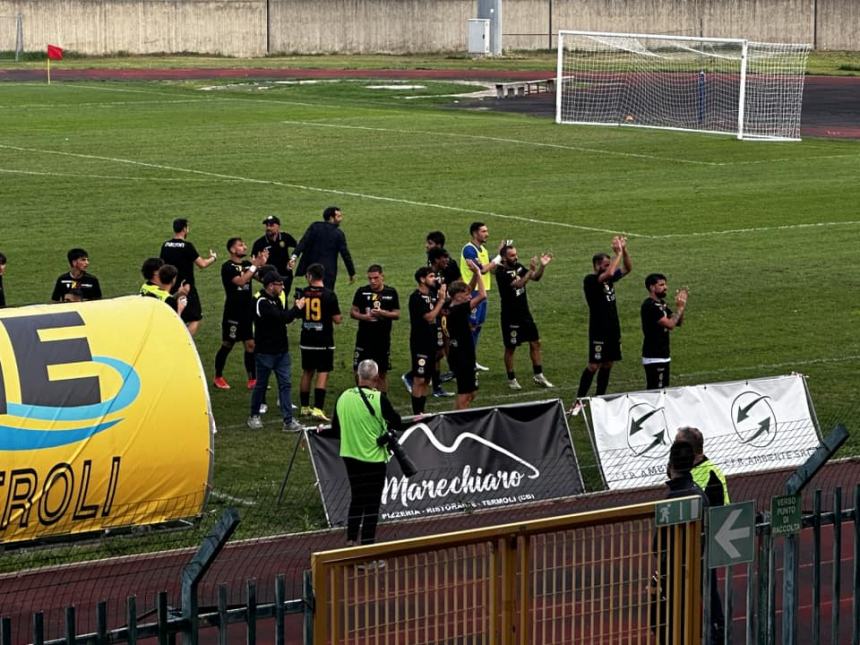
x=601, y=576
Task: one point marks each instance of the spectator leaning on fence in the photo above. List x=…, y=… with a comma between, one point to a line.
x=706, y=473
x=707, y=476
x=362, y=415
x=666, y=546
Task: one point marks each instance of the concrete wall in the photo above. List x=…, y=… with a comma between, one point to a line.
x=255, y=27
x=233, y=27
x=366, y=26
x=838, y=25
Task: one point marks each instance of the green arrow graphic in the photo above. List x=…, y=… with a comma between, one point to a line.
x=743, y=412
x=636, y=424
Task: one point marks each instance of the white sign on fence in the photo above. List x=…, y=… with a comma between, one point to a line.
x=747, y=426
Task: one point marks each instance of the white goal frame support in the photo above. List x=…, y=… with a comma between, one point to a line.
x=788, y=87
x=19, y=35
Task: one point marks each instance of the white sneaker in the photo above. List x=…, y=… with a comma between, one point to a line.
x=541, y=380
x=255, y=422
x=575, y=409
x=292, y=426
x=264, y=408
x=481, y=368
x=514, y=384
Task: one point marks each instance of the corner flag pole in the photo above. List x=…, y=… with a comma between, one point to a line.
x=54, y=53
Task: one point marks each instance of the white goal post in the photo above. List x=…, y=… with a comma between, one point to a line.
x=12, y=37
x=716, y=85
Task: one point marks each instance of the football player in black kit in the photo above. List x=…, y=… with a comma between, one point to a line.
x=375, y=306
x=181, y=253
x=278, y=245
x=77, y=285
x=237, y=321
x=604, y=330
x=425, y=305
x=319, y=316
x=657, y=321
x=461, y=345
x=518, y=326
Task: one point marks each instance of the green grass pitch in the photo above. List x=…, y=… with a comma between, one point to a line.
x=764, y=234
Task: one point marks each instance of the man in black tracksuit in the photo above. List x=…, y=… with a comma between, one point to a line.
x=322, y=243
x=272, y=349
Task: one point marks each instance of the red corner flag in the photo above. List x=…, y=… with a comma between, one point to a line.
x=55, y=53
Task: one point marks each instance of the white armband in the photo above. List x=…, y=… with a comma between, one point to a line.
x=252, y=269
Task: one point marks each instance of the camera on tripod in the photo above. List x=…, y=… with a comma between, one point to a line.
x=388, y=439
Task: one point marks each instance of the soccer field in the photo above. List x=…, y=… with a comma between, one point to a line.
x=763, y=234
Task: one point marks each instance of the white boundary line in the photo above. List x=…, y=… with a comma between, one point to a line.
x=755, y=229
x=479, y=137
x=12, y=171
x=50, y=106
x=330, y=191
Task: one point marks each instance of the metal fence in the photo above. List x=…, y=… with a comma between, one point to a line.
x=600, y=577
x=575, y=589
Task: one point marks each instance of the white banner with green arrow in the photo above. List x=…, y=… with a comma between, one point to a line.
x=748, y=426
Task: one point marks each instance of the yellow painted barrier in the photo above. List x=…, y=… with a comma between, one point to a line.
x=606, y=576
x=105, y=418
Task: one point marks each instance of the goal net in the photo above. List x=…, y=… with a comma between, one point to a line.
x=11, y=37
x=723, y=85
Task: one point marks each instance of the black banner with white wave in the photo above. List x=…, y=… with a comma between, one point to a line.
x=467, y=460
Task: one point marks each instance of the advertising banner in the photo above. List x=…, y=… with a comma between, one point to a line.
x=104, y=418
x=747, y=426
x=472, y=459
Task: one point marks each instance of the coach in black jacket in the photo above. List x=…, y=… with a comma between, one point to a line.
x=322, y=243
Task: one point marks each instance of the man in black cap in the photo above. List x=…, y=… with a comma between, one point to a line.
x=279, y=246
x=272, y=349
x=322, y=243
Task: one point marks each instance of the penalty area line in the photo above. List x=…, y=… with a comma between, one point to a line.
x=317, y=189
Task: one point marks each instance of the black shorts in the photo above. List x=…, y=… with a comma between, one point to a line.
x=604, y=351
x=236, y=329
x=464, y=372
x=317, y=360
x=517, y=332
x=423, y=362
x=657, y=375
x=378, y=353
x=193, y=309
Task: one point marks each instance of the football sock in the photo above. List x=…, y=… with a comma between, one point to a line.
x=418, y=403
x=537, y=369
x=221, y=360
x=603, y=380
x=250, y=365
x=319, y=398
x=584, y=383
x=305, y=399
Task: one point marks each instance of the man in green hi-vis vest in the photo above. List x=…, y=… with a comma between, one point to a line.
x=362, y=415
